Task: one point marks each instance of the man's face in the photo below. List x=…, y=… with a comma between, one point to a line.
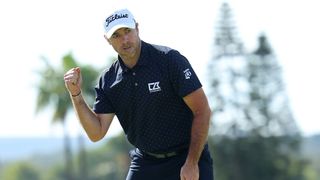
x=125, y=41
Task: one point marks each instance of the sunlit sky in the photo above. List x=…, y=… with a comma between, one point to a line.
x=51, y=28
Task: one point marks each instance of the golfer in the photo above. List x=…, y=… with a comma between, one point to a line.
x=158, y=100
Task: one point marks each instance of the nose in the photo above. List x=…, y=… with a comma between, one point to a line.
x=125, y=38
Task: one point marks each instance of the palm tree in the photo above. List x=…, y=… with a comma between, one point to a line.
x=52, y=93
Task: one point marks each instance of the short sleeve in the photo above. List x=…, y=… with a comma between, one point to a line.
x=184, y=79
x=102, y=103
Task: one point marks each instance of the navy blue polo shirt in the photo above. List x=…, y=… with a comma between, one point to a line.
x=147, y=99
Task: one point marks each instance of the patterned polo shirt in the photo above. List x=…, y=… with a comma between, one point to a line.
x=147, y=99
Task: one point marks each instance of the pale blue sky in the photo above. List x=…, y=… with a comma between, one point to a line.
x=52, y=28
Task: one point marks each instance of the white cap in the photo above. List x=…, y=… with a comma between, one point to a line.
x=119, y=19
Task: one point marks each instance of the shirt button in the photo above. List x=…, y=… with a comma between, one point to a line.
x=135, y=84
x=134, y=73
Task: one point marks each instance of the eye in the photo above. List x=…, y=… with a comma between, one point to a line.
x=115, y=35
x=127, y=30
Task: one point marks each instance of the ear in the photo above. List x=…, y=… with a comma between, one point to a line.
x=137, y=28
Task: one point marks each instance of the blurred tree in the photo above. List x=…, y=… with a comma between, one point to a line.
x=227, y=42
x=269, y=109
x=227, y=75
x=21, y=171
x=52, y=93
x=254, y=132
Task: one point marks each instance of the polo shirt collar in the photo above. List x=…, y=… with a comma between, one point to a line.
x=142, y=61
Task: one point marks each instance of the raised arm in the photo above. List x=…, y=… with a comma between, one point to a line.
x=95, y=125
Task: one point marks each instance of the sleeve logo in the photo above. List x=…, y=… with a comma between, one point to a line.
x=187, y=73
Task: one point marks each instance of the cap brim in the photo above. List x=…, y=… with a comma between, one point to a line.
x=118, y=26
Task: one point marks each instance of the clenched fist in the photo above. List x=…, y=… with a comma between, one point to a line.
x=73, y=81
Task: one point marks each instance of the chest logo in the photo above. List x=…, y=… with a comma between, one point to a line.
x=154, y=87
x=187, y=73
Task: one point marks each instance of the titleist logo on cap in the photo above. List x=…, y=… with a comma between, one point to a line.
x=119, y=19
x=115, y=17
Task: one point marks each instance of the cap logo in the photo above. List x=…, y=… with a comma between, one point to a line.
x=115, y=17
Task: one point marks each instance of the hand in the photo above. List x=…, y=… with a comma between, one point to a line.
x=73, y=80
x=189, y=172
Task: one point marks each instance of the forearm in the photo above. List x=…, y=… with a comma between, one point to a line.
x=88, y=119
x=199, y=136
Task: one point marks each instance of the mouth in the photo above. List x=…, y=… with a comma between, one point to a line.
x=127, y=48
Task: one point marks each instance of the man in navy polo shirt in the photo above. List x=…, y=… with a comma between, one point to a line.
x=159, y=101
